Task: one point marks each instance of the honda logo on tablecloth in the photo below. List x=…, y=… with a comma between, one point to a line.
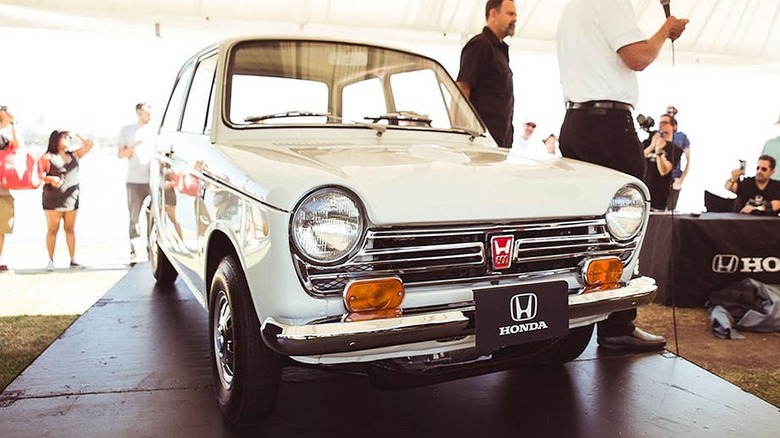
x=501, y=247
x=730, y=263
x=725, y=263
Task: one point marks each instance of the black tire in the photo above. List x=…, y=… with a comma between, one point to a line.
x=245, y=371
x=162, y=269
x=567, y=348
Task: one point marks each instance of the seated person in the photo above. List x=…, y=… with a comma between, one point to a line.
x=759, y=194
x=661, y=156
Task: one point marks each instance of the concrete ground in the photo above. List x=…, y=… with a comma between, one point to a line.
x=102, y=245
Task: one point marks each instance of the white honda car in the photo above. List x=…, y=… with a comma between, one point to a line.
x=341, y=204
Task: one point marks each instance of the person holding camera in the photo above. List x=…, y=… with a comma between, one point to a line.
x=661, y=156
x=679, y=173
x=759, y=194
x=7, y=126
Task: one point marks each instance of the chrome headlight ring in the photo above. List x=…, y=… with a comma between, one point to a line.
x=327, y=225
x=626, y=213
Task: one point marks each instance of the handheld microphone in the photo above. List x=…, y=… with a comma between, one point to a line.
x=665, y=4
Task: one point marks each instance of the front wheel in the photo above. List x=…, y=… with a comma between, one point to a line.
x=567, y=348
x=246, y=372
x=162, y=269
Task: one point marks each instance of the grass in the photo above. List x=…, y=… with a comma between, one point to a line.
x=23, y=338
x=750, y=363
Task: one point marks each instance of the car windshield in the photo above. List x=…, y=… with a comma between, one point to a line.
x=329, y=83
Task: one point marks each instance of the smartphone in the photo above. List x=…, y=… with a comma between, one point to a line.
x=742, y=165
x=3, y=108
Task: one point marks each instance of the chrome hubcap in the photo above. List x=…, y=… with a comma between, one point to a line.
x=223, y=341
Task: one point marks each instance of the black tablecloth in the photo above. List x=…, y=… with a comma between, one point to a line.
x=692, y=256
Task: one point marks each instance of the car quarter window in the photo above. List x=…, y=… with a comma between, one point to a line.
x=363, y=99
x=200, y=96
x=418, y=92
x=170, y=121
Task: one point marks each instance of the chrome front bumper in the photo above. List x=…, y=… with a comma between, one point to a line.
x=317, y=339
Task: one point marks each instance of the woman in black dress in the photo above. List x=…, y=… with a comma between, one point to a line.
x=61, y=189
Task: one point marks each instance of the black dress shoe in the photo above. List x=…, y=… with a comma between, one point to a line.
x=637, y=340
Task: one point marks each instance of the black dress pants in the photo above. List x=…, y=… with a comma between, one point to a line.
x=606, y=137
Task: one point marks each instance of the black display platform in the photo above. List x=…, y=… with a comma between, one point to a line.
x=136, y=365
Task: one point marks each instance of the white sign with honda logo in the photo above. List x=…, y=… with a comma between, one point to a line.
x=516, y=314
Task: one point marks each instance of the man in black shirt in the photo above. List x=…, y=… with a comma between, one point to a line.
x=485, y=77
x=759, y=194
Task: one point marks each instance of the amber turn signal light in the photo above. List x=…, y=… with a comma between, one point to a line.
x=602, y=273
x=374, y=295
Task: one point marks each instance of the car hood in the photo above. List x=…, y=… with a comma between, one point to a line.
x=427, y=183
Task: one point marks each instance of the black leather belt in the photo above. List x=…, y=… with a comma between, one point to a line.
x=600, y=104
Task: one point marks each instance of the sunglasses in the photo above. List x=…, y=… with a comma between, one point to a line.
x=763, y=169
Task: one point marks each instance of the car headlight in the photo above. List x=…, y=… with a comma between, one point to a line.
x=327, y=225
x=626, y=213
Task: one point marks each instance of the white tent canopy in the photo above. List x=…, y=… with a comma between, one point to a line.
x=734, y=31
x=85, y=63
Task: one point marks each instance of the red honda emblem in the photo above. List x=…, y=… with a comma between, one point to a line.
x=502, y=251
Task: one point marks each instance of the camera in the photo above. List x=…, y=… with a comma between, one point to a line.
x=757, y=202
x=645, y=123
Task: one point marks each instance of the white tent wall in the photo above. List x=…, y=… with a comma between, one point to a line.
x=84, y=64
x=741, y=28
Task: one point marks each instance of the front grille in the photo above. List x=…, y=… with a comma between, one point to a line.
x=423, y=256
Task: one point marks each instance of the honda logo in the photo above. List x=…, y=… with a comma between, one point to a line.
x=725, y=263
x=502, y=251
x=730, y=263
x=523, y=307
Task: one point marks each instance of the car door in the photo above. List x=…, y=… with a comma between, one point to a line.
x=186, y=150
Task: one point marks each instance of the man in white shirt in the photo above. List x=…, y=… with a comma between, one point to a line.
x=136, y=144
x=524, y=142
x=600, y=49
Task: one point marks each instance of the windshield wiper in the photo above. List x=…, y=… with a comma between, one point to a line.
x=470, y=132
x=410, y=118
x=255, y=119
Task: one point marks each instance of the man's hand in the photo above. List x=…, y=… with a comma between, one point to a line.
x=676, y=26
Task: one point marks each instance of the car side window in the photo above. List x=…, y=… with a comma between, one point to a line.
x=196, y=108
x=170, y=121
